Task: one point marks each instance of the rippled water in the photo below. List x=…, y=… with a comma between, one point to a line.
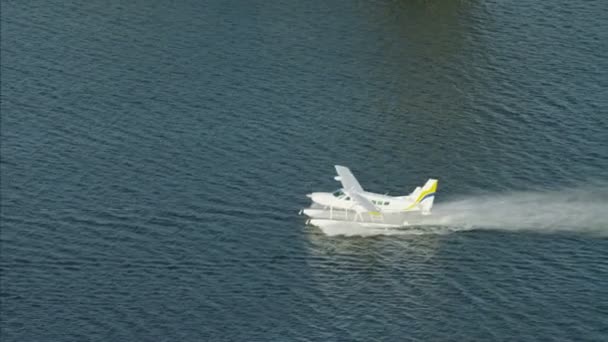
x=154, y=157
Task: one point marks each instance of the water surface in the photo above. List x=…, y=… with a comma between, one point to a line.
x=154, y=157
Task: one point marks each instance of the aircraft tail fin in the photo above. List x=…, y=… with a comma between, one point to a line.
x=427, y=196
x=422, y=198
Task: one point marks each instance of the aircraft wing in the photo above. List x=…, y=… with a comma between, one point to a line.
x=362, y=201
x=349, y=182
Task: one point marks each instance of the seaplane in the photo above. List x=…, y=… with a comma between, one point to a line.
x=353, y=204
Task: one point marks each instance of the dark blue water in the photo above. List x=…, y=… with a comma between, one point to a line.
x=154, y=157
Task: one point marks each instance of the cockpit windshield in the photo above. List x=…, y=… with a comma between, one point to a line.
x=338, y=193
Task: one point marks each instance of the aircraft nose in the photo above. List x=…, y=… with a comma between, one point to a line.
x=320, y=197
x=313, y=196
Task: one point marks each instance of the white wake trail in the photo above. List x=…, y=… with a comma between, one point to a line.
x=583, y=209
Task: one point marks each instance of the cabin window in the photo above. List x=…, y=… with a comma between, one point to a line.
x=386, y=203
x=348, y=198
x=338, y=193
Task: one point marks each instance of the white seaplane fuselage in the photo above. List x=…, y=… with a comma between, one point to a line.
x=340, y=200
x=352, y=203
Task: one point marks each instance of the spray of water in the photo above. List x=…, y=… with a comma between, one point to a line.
x=582, y=209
